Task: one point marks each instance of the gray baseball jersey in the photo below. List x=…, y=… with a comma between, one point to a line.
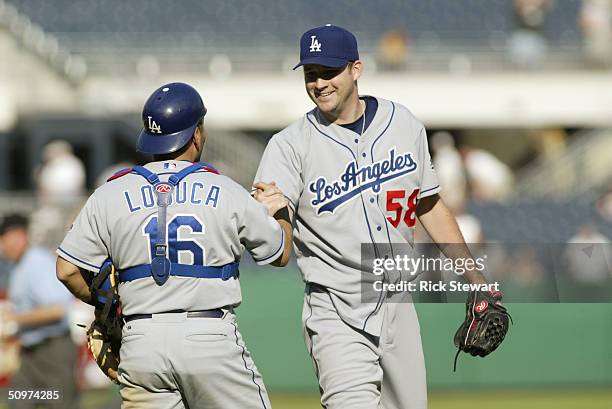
x=347, y=189
x=211, y=220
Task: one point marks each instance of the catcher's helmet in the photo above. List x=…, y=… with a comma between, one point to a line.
x=169, y=118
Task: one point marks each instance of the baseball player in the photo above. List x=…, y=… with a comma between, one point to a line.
x=175, y=231
x=356, y=169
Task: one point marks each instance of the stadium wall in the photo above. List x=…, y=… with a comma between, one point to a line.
x=272, y=101
x=550, y=345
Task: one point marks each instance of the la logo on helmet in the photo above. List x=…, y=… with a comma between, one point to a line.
x=153, y=127
x=315, y=45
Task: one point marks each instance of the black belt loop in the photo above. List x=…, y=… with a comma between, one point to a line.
x=216, y=313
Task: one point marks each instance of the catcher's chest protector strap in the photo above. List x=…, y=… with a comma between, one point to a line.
x=161, y=268
x=160, y=265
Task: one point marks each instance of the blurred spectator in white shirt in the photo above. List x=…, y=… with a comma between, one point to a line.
x=588, y=255
x=61, y=186
x=490, y=179
x=470, y=228
x=528, y=46
x=449, y=168
x=61, y=177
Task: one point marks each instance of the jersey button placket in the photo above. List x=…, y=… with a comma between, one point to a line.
x=362, y=159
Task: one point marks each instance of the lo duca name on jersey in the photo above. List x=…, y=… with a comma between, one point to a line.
x=195, y=193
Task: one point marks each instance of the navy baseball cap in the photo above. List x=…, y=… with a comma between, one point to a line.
x=170, y=117
x=330, y=46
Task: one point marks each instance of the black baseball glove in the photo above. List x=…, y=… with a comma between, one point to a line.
x=485, y=326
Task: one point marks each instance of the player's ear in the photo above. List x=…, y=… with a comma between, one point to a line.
x=204, y=134
x=356, y=69
x=199, y=137
x=197, y=134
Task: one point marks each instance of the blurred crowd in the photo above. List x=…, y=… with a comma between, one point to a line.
x=527, y=45
x=42, y=341
x=473, y=177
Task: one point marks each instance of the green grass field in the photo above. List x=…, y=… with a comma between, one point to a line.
x=514, y=399
x=553, y=399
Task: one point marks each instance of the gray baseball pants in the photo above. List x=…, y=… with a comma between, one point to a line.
x=359, y=371
x=174, y=362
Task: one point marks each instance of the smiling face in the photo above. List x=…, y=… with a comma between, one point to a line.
x=334, y=90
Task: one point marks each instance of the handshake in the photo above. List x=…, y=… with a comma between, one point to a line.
x=271, y=196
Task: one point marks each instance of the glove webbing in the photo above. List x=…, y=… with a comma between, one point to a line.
x=468, y=334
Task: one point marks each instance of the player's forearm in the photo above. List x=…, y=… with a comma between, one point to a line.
x=443, y=229
x=284, y=258
x=40, y=316
x=70, y=276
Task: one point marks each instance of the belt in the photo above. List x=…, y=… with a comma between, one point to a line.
x=216, y=313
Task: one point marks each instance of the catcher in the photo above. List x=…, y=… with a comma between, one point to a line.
x=175, y=229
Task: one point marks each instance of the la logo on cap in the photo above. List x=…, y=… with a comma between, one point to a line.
x=315, y=45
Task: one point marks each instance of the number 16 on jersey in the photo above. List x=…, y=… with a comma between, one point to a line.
x=192, y=252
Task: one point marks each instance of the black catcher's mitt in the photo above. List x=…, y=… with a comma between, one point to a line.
x=485, y=326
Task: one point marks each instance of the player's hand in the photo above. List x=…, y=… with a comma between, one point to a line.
x=270, y=196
